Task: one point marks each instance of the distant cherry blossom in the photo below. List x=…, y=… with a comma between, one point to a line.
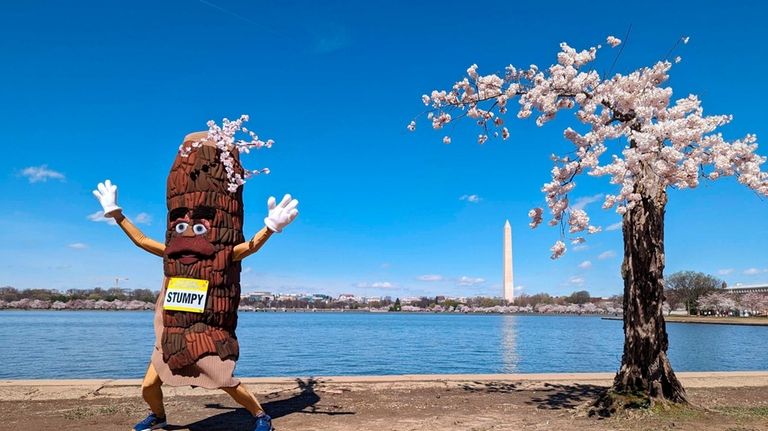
x=613, y=41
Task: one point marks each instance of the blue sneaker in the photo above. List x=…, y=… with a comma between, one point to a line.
x=152, y=422
x=263, y=423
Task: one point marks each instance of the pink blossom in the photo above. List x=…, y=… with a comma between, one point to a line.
x=558, y=249
x=536, y=217
x=613, y=41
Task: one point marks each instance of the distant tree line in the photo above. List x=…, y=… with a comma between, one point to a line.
x=11, y=294
x=696, y=292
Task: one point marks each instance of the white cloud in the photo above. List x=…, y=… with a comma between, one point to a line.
x=36, y=174
x=754, y=271
x=247, y=269
x=143, y=218
x=376, y=285
x=581, y=247
x=430, y=277
x=470, y=198
x=98, y=216
x=78, y=245
x=583, y=201
x=585, y=265
x=576, y=280
x=725, y=271
x=470, y=281
x=607, y=255
x=615, y=226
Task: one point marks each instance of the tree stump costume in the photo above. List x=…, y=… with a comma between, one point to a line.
x=203, y=245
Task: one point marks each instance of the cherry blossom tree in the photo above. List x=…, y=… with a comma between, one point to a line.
x=719, y=302
x=630, y=130
x=685, y=287
x=754, y=303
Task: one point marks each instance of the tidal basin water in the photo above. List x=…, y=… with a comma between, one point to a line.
x=115, y=344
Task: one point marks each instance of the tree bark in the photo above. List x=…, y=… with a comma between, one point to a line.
x=645, y=371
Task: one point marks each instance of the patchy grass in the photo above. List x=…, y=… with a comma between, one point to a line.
x=610, y=403
x=744, y=412
x=91, y=411
x=676, y=411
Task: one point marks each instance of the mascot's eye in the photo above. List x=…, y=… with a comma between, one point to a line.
x=181, y=227
x=199, y=229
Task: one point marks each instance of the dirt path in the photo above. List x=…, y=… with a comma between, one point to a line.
x=381, y=406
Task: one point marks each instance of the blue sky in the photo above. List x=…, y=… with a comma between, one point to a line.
x=96, y=90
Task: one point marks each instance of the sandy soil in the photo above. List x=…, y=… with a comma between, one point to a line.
x=724, y=401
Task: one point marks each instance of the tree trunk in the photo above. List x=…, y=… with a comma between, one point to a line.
x=645, y=376
x=645, y=367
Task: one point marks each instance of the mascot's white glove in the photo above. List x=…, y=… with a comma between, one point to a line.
x=282, y=214
x=106, y=193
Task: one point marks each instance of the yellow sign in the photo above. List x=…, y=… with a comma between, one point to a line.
x=186, y=294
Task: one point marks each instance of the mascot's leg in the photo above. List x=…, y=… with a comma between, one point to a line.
x=245, y=398
x=152, y=392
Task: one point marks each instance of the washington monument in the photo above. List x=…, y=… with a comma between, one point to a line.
x=509, y=277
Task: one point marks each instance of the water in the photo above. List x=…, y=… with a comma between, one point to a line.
x=94, y=344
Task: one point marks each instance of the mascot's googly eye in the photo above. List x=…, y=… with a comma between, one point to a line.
x=199, y=229
x=181, y=227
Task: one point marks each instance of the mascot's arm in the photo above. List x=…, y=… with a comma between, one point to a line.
x=279, y=216
x=106, y=193
x=138, y=236
x=247, y=248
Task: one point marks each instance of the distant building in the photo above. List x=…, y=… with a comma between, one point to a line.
x=747, y=288
x=460, y=299
x=410, y=299
x=259, y=296
x=348, y=297
x=319, y=297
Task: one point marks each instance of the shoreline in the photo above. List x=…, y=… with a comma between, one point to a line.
x=61, y=389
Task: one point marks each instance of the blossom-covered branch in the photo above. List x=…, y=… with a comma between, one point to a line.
x=664, y=143
x=224, y=138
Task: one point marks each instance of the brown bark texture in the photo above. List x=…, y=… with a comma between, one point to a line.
x=645, y=369
x=200, y=180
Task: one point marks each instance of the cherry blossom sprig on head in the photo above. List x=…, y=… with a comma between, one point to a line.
x=224, y=138
x=656, y=142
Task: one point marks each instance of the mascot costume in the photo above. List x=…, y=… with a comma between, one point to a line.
x=196, y=312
